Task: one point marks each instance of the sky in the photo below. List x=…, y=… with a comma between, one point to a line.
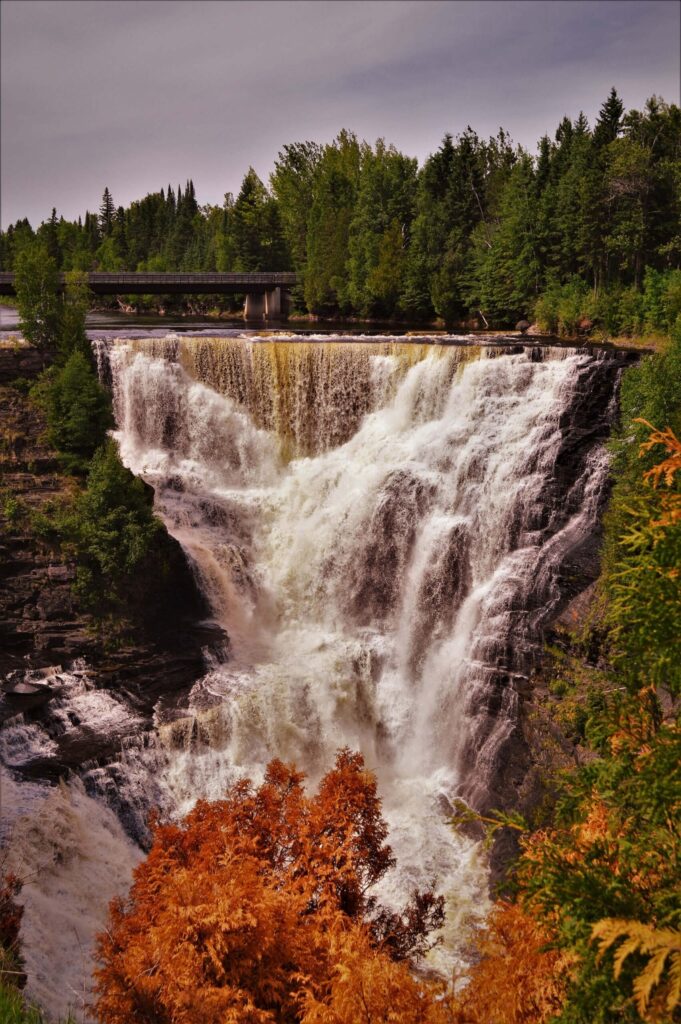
x=134, y=94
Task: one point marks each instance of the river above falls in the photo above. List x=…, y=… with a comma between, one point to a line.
x=113, y=324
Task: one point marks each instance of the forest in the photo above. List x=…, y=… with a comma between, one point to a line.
x=583, y=236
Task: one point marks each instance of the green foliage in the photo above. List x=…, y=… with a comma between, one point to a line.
x=334, y=197
x=292, y=183
x=379, y=230
x=13, y=509
x=75, y=304
x=36, y=283
x=644, y=585
x=562, y=308
x=15, y=1010
x=642, y=556
x=257, y=236
x=77, y=409
x=111, y=530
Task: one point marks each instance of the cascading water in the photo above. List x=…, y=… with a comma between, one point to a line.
x=381, y=529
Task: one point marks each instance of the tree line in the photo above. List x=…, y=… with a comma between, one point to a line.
x=585, y=230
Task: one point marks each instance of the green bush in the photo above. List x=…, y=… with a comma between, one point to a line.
x=641, y=560
x=629, y=314
x=111, y=529
x=661, y=299
x=13, y=509
x=77, y=409
x=561, y=308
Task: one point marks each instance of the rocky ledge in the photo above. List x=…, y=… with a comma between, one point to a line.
x=42, y=629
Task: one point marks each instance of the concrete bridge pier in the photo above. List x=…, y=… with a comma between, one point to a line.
x=254, y=308
x=273, y=304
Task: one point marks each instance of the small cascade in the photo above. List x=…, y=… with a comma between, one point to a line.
x=383, y=529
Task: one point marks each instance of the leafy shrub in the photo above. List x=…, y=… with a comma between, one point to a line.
x=258, y=908
x=111, y=530
x=661, y=299
x=36, y=282
x=77, y=409
x=561, y=308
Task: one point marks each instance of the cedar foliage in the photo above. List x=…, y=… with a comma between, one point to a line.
x=255, y=908
x=520, y=979
x=660, y=945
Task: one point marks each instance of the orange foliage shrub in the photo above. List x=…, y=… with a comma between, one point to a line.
x=252, y=909
x=364, y=986
x=519, y=980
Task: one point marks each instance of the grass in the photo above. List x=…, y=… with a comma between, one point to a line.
x=15, y=1010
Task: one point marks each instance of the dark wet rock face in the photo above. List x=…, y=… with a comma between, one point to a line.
x=374, y=573
x=42, y=629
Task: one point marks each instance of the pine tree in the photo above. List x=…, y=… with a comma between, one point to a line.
x=106, y=213
x=258, y=238
x=609, y=122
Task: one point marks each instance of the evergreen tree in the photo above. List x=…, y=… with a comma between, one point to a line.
x=609, y=122
x=48, y=232
x=106, y=213
x=506, y=269
x=78, y=412
x=379, y=230
x=112, y=529
x=258, y=238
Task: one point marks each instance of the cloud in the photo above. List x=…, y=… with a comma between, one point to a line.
x=136, y=94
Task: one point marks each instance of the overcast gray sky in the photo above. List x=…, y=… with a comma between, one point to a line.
x=136, y=94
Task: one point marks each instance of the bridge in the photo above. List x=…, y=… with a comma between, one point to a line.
x=266, y=293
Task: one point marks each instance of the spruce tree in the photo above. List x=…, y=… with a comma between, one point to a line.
x=609, y=121
x=106, y=213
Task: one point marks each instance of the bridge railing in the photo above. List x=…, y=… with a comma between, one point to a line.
x=124, y=282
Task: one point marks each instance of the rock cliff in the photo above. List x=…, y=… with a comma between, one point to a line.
x=42, y=627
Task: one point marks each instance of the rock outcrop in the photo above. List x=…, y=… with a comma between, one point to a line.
x=42, y=627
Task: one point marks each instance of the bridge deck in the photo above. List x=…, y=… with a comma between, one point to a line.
x=175, y=284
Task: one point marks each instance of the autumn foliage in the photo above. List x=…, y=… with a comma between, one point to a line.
x=258, y=908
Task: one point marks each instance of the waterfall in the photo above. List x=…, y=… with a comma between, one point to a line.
x=382, y=529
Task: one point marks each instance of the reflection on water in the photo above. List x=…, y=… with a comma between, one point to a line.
x=9, y=318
